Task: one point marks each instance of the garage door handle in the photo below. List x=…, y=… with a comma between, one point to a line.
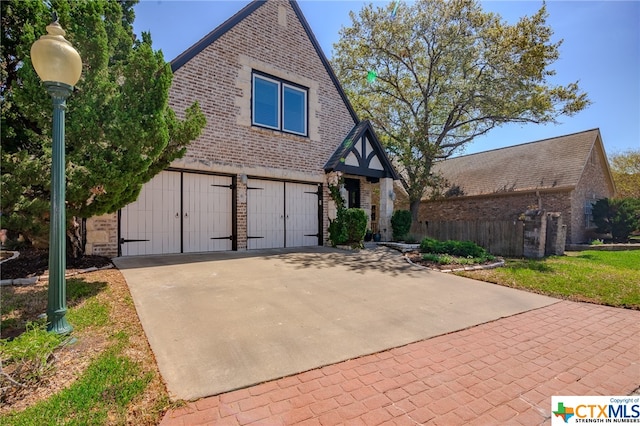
x=124, y=240
x=186, y=215
x=177, y=215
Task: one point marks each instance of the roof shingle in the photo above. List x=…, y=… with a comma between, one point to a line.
x=549, y=163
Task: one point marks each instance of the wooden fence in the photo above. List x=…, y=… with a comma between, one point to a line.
x=502, y=238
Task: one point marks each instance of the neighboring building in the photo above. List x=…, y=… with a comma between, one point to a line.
x=277, y=122
x=566, y=174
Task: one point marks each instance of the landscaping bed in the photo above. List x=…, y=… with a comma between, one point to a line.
x=449, y=263
x=33, y=263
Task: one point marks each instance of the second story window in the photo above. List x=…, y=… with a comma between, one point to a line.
x=279, y=105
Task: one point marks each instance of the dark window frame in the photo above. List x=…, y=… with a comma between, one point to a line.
x=282, y=84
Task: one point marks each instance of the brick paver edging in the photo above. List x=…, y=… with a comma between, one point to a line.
x=501, y=372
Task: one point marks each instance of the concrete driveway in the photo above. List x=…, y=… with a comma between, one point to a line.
x=223, y=321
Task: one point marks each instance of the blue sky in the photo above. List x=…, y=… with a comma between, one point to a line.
x=601, y=50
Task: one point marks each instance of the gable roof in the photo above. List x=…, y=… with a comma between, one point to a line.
x=214, y=35
x=550, y=163
x=361, y=154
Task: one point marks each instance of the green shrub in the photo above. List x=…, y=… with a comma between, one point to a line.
x=349, y=227
x=429, y=245
x=620, y=217
x=338, y=230
x=455, y=248
x=356, y=224
x=400, y=224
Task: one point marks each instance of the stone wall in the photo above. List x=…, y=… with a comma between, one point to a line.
x=102, y=235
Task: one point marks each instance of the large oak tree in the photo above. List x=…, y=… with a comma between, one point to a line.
x=120, y=130
x=625, y=168
x=432, y=75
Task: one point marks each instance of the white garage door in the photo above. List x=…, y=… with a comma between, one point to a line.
x=207, y=223
x=301, y=214
x=151, y=224
x=281, y=214
x=165, y=219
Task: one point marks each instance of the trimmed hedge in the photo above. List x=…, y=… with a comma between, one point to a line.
x=452, y=247
x=400, y=224
x=349, y=227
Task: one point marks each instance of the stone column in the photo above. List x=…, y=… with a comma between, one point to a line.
x=535, y=233
x=387, y=196
x=556, y=234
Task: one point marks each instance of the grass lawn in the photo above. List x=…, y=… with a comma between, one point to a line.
x=604, y=277
x=106, y=376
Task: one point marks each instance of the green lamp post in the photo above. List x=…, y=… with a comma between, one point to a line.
x=59, y=66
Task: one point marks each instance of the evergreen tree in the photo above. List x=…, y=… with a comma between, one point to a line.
x=120, y=131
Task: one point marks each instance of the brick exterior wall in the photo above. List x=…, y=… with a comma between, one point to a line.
x=271, y=40
x=219, y=78
x=594, y=183
x=502, y=206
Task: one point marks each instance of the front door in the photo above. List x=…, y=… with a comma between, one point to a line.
x=353, y=193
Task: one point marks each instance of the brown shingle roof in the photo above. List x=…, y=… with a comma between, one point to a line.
x=549, y=163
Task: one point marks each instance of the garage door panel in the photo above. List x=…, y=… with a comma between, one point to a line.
x=302, y=214
x=149, y=227
x=281, y=214
x=265, y=214
x=208, y=209
x=157, y=215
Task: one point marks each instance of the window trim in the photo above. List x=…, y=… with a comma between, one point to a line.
x=282, y=84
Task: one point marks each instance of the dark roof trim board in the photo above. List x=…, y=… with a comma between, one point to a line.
x=218, y=32
x=337, y=160
x=198, y=47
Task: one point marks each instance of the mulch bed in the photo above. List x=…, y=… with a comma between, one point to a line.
x=33, y=262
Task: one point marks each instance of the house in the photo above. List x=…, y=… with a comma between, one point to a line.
x=277, y=122
x=565, y=174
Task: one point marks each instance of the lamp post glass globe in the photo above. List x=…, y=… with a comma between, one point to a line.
x=59, y=66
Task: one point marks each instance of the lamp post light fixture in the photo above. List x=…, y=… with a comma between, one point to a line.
x=59, y=66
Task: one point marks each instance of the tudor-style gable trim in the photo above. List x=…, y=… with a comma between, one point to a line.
x=362, y=154
x=214, y=35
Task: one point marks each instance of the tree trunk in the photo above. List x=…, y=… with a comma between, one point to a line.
x=414, y=207
x=75, y=233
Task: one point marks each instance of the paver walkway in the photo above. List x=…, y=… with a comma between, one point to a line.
x=501, y=372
